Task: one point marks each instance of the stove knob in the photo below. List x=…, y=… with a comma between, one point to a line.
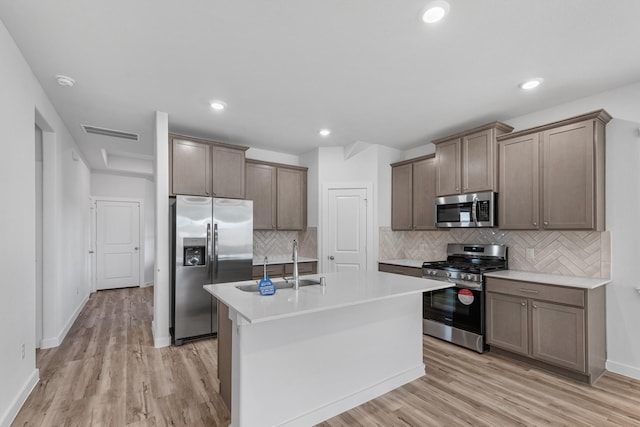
x=433, y=272
x=448, y=274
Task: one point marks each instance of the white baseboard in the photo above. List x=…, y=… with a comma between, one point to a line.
x=56, y=341
x=344, y=404
x=159, y=340
x=622, y=369
x=11, y=413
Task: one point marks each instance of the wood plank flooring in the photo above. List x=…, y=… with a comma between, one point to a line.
x=106, y=372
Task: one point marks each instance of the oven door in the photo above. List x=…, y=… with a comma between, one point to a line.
x=459, y=307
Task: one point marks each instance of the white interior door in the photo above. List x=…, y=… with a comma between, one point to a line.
x=118, y=244
x=347, y=229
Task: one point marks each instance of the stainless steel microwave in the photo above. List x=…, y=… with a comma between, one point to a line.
x=468, y=210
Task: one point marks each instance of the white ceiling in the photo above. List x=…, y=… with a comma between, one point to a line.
x=368, y=69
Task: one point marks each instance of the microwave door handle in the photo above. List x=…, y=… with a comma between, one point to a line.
x=474, y=210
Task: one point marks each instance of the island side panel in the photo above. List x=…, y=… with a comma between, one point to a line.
x=224, y=353
x=302, y=370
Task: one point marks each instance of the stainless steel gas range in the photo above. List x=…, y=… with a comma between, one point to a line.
x=457, y=314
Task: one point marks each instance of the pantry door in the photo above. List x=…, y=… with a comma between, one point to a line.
x=118, y=244
x=347, y=229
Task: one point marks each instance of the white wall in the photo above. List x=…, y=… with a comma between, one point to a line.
x=127, y=187
x=68, y=191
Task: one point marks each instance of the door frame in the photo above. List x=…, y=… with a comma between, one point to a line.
x=323, y=243
x=93, y=258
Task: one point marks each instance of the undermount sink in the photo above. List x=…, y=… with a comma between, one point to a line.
x=281, y=284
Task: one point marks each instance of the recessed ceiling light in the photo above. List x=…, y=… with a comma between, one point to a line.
x=325, y=132
x=531, y=84
x=435, y=11
x=65, y=80
x=218, y=105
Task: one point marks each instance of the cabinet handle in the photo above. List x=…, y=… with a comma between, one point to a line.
x=546, y=223
x=534, y=306
x=523, y=303
x=531, y=291
x=535, y=224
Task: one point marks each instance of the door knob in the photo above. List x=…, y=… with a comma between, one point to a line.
x=136, y=248
x=331, y=257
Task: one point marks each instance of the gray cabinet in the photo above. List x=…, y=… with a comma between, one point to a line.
x=190, y=168
x=261, y=188
x=199, y=167
x=279, y=194
x=552, y=176
x=467, y=161
x=507, y=322
x=413, y=194
x=556, y=327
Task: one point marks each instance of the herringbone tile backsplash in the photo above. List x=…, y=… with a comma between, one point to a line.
x=274, y=243
x=575, y=253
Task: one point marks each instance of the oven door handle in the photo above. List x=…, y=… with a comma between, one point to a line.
x=467, y=285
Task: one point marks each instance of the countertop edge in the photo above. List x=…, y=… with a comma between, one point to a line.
x=550, y=279
x=281, y=260
x=413, y=263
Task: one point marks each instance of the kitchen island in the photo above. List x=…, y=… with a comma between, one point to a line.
x=301, y=357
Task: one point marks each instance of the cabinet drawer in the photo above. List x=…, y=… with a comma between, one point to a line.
x=303, y=268
x=273, y=270
x=559, y=294
x=400, y=269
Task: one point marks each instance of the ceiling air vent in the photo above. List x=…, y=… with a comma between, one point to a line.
x=111, y=132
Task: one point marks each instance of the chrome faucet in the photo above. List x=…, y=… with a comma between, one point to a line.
x=296, y=275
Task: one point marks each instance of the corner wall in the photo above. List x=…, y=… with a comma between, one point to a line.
x=66, y=216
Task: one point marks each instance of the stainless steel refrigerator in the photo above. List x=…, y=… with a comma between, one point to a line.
x=212, y=242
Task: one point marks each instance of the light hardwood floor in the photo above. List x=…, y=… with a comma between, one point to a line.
x=106, y=372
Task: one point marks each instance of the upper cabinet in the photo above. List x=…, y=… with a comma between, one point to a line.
x=279, y=194
x=200, y=167
x=467, y=161
x=413, y=194
x=552, y=176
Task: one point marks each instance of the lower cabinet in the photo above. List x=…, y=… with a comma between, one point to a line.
x=562, y=328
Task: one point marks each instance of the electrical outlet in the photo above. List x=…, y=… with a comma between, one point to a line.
x=530, y=254
x=22, y=352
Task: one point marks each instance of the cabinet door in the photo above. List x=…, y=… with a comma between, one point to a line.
x=478, y=169
x=191, y=168
x=401, y=197
x=424, y=194
x=228, y=172
x=568, y=177
x=518, y=198
x=507, y=325
x=261, y=188
x=291, y=194
x=558, y=334
x=448, y=168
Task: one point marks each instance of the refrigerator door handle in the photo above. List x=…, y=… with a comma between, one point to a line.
x=208, y=256
x=215, y=251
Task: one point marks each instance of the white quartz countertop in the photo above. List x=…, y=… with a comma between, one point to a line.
x=403, y=262
x=280, y=259
x=342, y=289
x=550, y=279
